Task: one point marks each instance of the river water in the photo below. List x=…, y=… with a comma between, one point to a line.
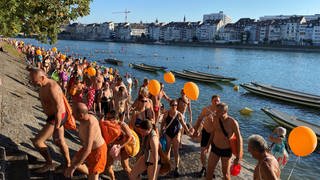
x=293, y=70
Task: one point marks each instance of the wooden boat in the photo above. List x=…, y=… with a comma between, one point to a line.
x=114, y=61
x=192, y=77
x=287, y=91
x=290, y=121
x=280, y=95
x=159, y=68
x=214, y=76
x=144, y=68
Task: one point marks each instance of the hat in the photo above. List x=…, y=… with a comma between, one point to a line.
x=281, y=131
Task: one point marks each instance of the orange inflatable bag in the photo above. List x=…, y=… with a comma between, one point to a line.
x=133, y=147
x=110, y=131
x=70, y=123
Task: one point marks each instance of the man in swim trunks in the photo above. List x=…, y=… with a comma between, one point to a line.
x=268, y=166
x=51, y=97
x=223, y=125
x=207, y=114
x=143, y=86
x=157, y=102
x=91, y=159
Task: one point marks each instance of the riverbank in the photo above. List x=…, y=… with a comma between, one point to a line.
x=22, y=117
x=265, y=47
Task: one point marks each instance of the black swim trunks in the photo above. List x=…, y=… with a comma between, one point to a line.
x=221, y=152
x=52, y=119
x=205, y=136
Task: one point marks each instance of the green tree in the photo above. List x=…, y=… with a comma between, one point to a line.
x=40, y=17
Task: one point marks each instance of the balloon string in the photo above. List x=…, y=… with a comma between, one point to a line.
x=294, y=166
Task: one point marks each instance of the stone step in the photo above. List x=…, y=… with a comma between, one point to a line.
x=17, y=167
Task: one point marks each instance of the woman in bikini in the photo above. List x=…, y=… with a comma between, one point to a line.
x=105, y=101
x=172, y=121
x=150, y=159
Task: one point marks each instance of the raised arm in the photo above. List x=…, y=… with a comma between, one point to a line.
x=199, y=120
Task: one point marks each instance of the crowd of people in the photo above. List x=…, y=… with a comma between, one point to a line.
x=99, y=94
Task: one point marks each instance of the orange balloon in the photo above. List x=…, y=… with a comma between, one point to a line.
x=169, y=78
x=302, y=141
x=191, y=90
x=38, y=52
x=91, y=71
x=54, y=49
x=154, y=87
x=63, y=57
x=73, y=91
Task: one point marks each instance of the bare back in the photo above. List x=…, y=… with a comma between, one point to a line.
x=90, y=131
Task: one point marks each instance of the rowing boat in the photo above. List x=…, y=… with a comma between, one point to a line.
x=290, y=121
x=144, y=68
x=287, y=91
x=192, y=77
x=281, y=95
x=159, y=68
x=214, y=76
x=114, y=61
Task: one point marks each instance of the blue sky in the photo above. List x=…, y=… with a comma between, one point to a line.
x=174, y=10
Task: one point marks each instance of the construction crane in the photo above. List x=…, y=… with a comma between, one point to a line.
x=126, y=12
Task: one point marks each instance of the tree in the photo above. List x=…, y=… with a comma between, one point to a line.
x=42, y=18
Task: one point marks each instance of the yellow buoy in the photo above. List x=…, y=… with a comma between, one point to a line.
x=246, y=111
x=236, y=88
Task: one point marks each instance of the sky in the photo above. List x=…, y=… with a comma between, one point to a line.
x=174, y=10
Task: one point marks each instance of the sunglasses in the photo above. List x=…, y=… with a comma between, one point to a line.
x=144, y=101
x=174, y=104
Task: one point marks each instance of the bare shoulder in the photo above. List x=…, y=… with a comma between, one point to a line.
x=233, y=121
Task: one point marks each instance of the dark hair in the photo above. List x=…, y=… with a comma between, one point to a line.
x=172, y=101
x=146, y=125
x=121, y=89
x=112, y=114
x=215, y=96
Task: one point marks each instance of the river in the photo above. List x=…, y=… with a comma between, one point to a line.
x=293, y=70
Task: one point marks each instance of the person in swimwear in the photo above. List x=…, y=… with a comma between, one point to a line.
x=106, y=101
x=118, y=145
x=51, y=97
x=204, y=127
x=171, y=127
x=157, y=102
x=91, y=159
x=121, y=103
x=267, y=167
x=150, y=146
x=183, y=104
x=98, y=83
x=223, y=128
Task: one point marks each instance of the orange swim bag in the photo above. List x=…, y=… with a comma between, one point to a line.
x=70, y=123
x=133, y=147
x=110, y=131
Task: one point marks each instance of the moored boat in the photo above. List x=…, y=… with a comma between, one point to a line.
x=281, y=96
x=214, y=76
x=144, y=68
x=290, y=121
x=192, y=77
x=159, y=68
x=114, y=61
x=287, y=91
